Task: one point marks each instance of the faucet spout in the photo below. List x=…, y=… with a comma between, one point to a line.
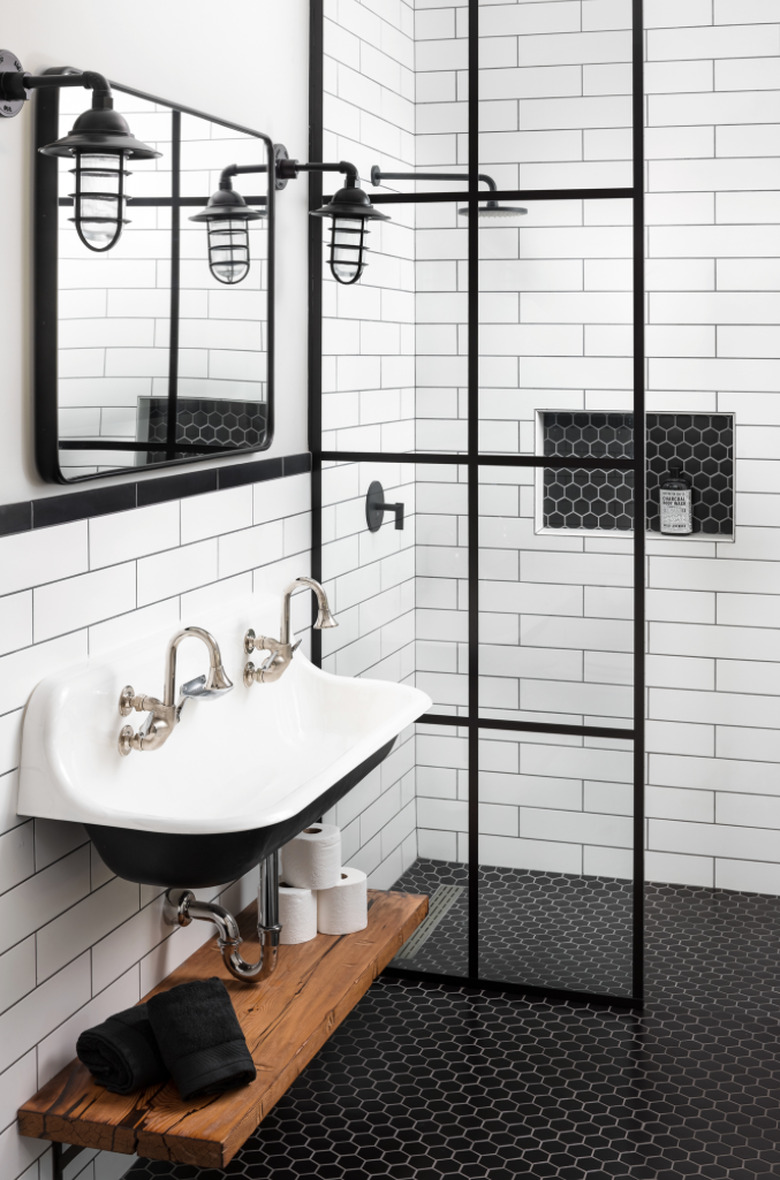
x=216, y=681
x=281, y=650
x=324, y=617
x=163, y=716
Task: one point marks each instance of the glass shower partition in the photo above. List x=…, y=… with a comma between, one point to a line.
x=489, y=371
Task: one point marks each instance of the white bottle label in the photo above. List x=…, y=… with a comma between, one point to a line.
x=676, y=506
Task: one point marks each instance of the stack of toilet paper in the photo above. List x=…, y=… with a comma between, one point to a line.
x=317, y=893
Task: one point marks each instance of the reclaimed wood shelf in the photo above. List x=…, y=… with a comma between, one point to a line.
x=285, y=1020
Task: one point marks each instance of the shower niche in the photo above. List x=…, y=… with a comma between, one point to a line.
x=587, y=500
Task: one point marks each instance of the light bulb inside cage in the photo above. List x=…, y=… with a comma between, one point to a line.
x=228, y=250
x=348, y=249
x=99, y=199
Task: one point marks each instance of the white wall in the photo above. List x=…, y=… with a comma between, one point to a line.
x=176, y=50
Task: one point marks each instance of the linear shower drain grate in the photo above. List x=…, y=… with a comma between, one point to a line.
x=440, y=904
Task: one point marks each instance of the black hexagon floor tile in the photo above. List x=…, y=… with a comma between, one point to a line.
x=429, y=1081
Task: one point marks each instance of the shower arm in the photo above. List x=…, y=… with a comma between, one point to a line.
x=378, y=176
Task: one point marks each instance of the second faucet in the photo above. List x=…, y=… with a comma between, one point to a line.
x=281, y=650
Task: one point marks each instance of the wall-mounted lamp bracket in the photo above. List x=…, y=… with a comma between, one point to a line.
x=9, y=63
x=376, y=507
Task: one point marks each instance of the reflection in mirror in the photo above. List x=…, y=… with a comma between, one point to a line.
x=143, y=358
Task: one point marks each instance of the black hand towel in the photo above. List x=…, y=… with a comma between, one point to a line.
x=200, y=1038
x=121, y=1053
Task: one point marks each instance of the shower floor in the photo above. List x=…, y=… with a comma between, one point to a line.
x=432, y=1081
x=552, y=930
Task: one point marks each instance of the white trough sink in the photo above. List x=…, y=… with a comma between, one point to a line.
x=239, y=775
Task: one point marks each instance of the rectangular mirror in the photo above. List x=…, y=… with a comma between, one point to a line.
x=143, y=358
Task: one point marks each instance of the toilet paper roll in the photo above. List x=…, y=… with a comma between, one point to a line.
x=297, y=914
x=312, y=860
x=344, y=908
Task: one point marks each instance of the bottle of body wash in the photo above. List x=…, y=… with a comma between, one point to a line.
x=675, y=502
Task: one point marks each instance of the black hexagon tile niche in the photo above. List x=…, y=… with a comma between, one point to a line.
x=427, y=1081
x=584, y=499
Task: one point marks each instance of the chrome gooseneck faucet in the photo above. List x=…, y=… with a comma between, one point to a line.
x=281, y=650
x=163, y=716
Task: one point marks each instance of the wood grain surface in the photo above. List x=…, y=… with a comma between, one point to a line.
x=285, y=1021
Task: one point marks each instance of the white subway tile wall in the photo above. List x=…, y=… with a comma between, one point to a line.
x=555, y=313
x=368, y=404
x=76, y=942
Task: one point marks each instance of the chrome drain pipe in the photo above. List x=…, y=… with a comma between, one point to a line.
x=182, y=907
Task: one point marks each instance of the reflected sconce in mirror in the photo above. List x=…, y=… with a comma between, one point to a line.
x=349, y=211
x=491, y=207
x=100, y=142
x=227, y=218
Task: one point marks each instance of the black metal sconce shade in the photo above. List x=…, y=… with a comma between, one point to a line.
x=227, y=218
x=100, y=141
x=376, y=508
x=489, y=209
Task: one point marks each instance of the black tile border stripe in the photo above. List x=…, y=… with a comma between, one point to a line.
x=51, y=510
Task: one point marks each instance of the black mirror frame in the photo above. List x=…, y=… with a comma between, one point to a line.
x=45, y=295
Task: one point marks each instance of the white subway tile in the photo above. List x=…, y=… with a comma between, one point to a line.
x=746, y=742
x=177, y=570
x=740, y=12
x=42, y=1010
x=17, y=973
x=722, y=773
x=84, y=924
x=21, y=671
x=749, y=73
x=43, y=896
x=42, y=555
x=552, y=856
x=681, y=671
x=714, y=641
x=751, y=876
x=120, y=536
x=721, y=840
x=215, y=513
x=679, y=869
x=15, y=621
x=710, y=42
x=56, y=1050
x=77, y=602
x=712, y=708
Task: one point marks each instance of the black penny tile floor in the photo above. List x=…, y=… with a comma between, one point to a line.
x=431, y=1081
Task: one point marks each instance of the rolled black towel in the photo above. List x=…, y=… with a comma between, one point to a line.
x=122, y=1053
x=200, y=1039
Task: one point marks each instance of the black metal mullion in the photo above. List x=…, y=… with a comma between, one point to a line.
x=175, y=301
x=472, y=466
x=316, y=98
x=637, y=67
x=461, y=459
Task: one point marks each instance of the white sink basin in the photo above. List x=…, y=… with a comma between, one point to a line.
x=239, y=775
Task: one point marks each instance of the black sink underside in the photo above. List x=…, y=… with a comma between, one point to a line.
x=169, y=859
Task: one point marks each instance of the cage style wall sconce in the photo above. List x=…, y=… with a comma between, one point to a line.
x=100, y=142
x=227, y=217
x=490, y=208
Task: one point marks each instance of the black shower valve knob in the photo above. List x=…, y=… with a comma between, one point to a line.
x=376, y=507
